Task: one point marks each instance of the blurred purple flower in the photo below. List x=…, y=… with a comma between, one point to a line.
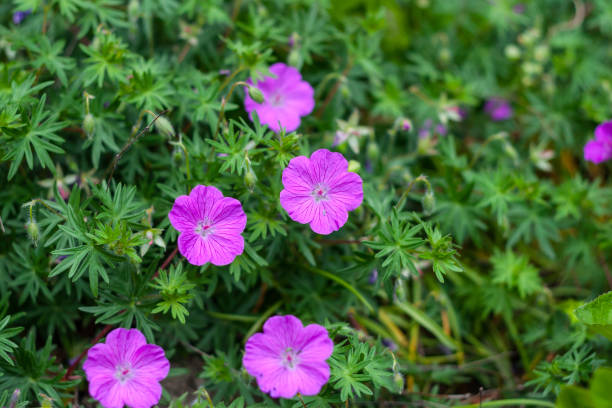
x=19, y=16
x=390, y=344
x=498, y=109
x=519, y=8
x=600, y=149
x=287, y=97
x=373, y=277
x=441, y=129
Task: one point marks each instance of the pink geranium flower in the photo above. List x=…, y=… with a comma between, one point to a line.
x=210, y=226
x=498, y=109
x=126, y=370
x=288, y=358
x=600, y=149
x=286, y=98
x=320, y=191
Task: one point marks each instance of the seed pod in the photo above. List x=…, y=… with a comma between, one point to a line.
x=33, y=231
x=429, y=202
x=164, y=127
x=373, y=151
x=354, y=166
x=177, y=157
x=89, y=123
x=250, y=179
x=295, y=59
x=256, y=94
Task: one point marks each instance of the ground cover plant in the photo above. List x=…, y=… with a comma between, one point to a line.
x=305, y=203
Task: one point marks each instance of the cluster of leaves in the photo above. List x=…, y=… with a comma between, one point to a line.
x=466, y=266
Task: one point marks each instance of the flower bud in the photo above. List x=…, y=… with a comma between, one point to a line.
x=164, y=127
x=373, y=151
x=541, y=53
x=512, y=52
x=177, y=157
x=256, y=94
x=354, y=166
x=33, y=231
x=250, y=179
x=89, y=124
x=295, y=58
x=444, y=55
x=429, y=202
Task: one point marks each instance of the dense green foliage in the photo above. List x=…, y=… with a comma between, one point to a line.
x=487, y=237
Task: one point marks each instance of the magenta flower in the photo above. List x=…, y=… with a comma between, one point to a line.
x=288, y=358
x=600, y=149
x=210, y=226
x=320, y=191
x=498, y=109
x=126, y=370
x=286, y=98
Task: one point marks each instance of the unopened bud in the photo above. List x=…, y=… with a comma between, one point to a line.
x=89, y=123
x=541, y=53
x=398, y=380
x=373, y=151
x=256, y=94
x=444, y=55
x=512, y=52
x=33, y=231
x=510, y=151
x=177, y=157
x=354, y=166
x=429, y=202
x=295, y=58
x=250, y=179
x=164, y=127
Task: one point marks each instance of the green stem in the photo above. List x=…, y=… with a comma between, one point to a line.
x=263, y=317
x=343, y=283
x=232, y=317
x=223, y=102
x=511, y=402
x=402, y=199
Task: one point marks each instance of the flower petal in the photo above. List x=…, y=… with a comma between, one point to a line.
x=347, y=190
x=300, y=208
x=192, y=247
x=314, y=344
x=99, y=363
x=109, y=393
x=183, y=215
x=296, y=176
x=204, y=198
x=328, y=217
x=300, y=98
x=151, y=360
x=326, y=166
x=142, y=392
x=223, y=250
x=311, y=377
x=123, y=343
x=228, y=217
x=603, y=132
x=285, y=328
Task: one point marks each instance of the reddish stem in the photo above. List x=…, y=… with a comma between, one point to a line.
x=76, y=362
x=108, y=327
x=332, y=93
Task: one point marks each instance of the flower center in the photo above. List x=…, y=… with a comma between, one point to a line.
x=204, y=228
x=276, y=99
x=290, y=358
x=319, y=193
x=123, y=373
